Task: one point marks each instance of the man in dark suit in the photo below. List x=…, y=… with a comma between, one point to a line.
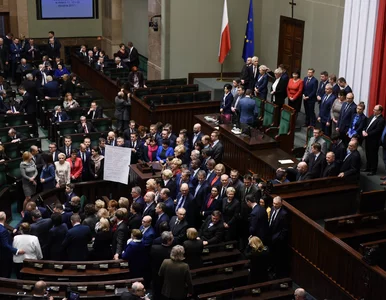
x=121, y=235
x=40, y=229
x=178, y=226
x=30, y=85
x=161, y=216
x=244, y=74
x=310, y=88
x=339, y=150
x=148, y=232
x=136, y=148
x=133, y=56
x=28, y=105
x=331, y=168
x=53, y=150
x=6, y=249
x=137, y=292
x=201, y=190
x=278, y=236
x=322, y=87
x=68, y=147
x=58, y=115
x=165, y=197
x=247, y=110
x=76, y=240
x=21, y=70
x=325, y=110
x=51, y=35
x=185, y=200
x=31, y=51
x=51, y=89
x=53, y=49
x=149, y=209
x=372, y=134
x=351, y=164
x=85, y=156
x=216, y=147
x=316, y=161
x=298, y=174
x=197, y=134
x=253, y=73
x=212, y=230
x=95, y=111
x=258, y=219
x=137, y=198
x=14, y=136
x=347, y=111
x=158, y=253
x=85, y=127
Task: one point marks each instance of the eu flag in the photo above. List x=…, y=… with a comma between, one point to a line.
x=249, y=39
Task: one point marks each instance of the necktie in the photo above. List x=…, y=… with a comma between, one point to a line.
x=93, y=114
x=83, y=157
x=273, y=217
x=177, y=222
x=347, y=155
x=210, y=201
x=13, y=109
x=347, y=106
x=197, y=189
x=85, y=128
x=68, y=152
x=60, y=117
x=180, y=203
x=254, y=71
x=214, y=180
x=223, y=190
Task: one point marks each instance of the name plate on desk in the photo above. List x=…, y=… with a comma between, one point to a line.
x=228, y=270
x=284, y=286
x=110, y=287
x=229, y=247
x=38, y=266
x=82, y=288
x=58, y=267
x=124, y=265
x=54, y=289
x=103, y=266
x=205, y=251
x=81, y=267
x=256, y=291
x=27, y=287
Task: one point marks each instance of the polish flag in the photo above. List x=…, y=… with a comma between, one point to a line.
x=225, y=38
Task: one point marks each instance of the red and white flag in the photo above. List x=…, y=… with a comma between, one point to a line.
x=225, y=38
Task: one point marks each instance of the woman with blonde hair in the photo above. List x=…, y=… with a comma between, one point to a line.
x=62, y=171
x=259, y=256
x=69, y=102
x=102, y=242
x=151, y=185
x=28, y=173
x=193, y=247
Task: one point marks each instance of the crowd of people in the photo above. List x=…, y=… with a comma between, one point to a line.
x=339, y=117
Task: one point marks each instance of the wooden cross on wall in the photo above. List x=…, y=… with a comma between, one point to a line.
x=292, y=3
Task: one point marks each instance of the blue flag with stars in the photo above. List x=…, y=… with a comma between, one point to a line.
x=249, y=38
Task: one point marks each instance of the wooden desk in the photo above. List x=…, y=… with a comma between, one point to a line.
x=137, y=177
x=258, y=154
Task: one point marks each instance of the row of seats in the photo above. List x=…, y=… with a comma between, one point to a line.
x=61, y=129
x=10, y=120
x=141, y=92
x=15, y=150
x=27, y=130
x=172, y=98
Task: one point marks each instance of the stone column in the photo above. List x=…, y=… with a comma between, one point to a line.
x=111, y=26
x=154, y=59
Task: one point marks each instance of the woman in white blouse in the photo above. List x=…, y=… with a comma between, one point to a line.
x=62, y=171
x=29, y=243
x=69, y=102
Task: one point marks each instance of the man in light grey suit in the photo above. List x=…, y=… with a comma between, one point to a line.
x=317, y=138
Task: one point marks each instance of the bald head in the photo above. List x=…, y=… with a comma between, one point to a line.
x=300, y=294
x=40, y=288
x=302, y=167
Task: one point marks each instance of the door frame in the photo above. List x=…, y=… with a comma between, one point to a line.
x=280, y=46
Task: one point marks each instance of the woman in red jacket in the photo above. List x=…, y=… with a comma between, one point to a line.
x=76, y=166
x=294, y=91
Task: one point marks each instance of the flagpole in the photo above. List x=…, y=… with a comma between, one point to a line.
x=221, y=72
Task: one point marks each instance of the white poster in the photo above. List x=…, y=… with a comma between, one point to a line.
x=117, y=164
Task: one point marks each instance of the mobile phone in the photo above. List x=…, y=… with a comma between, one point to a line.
x=73, y=296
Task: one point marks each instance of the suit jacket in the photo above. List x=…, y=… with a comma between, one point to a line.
x=262, y=84
x=51, y=89
x=121, y=108
x=201, y=194
x=56, y=236
x=218, y=151
x=190, y=207
x=226, y=103
x=248, y=110
x=258, y=222
x=330, y=170
x=134, y=57
x=28, y=50
x=193, y=252
x=90, y=128
x=120, y=238
x=15, y=51
x=358, y=127
x=138, y=151
x=172, y=186
x=158, y=253
x=138, y=258
x=245, y=210
x=140, y=77
x=148, y=236
x=280, y=93
x=159, y=219
x=310, y=88
x=28, y=104
x=149, y=211
x=23, y=68
x=230, y=212
x=278, y=228
x=322, y=89
x=325, y=108
x=53, y=51
x=215, y=205
x=18, y=135
x=375, y=130
x=169, y=152
x=4, y=54
x=346, y=113
x=91, y=169
x=251, y=78
x=75, y=243
x=64, y=150
x=316, y=165
x=63, y=117
x=214, y=234
x=134, y=222
x=129, y=296
x=178, y=230
x=351, y=165
x=41, y=229
x=6, y=249
x=97, y=114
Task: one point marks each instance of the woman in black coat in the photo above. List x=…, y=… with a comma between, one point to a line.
x=259, y=256
x=279, y=89
x=193, y=249
x=102, y=242
x=230, y=212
